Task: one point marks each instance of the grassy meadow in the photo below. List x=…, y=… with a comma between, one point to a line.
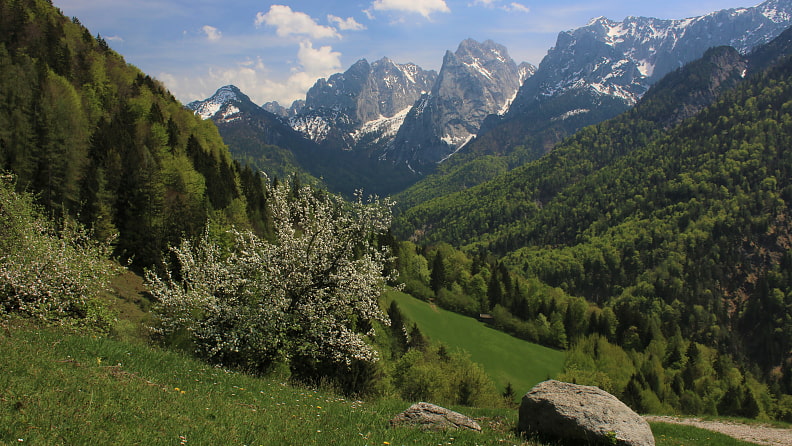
x=61, y=386
x=505, y=358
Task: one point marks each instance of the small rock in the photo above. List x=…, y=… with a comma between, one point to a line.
x=431, y=417
x=575, y=414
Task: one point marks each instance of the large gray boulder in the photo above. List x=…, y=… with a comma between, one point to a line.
x=430, y=417
x=575, y=414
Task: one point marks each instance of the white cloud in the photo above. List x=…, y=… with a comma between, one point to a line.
x=114, y=38
x=422, y=7
x=511, y=7
x=256, y=80
x=517, y=7
x=212, y=33
x=321, y=62
x=348, y=24
x=288, y=22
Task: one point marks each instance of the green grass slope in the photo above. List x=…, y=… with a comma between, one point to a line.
x=505, y=358
x=61, y=388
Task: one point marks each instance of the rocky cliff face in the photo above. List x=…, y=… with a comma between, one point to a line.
x=275, y=108
x=600, y=70
x=622, y=59
x=341, y=110
x=477, y=80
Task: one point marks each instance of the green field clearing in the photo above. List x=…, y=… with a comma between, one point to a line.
x=505, y=358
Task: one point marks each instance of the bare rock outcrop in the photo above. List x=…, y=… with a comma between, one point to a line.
x=431, y=417
x=575, y=414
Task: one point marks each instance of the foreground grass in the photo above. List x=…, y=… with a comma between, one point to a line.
x=505, y=358
x=67, y=389
x=64, y=388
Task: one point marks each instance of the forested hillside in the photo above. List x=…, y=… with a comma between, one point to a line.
x=680, y=232
x=97, y=139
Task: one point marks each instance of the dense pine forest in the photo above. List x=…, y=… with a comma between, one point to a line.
x=101, y=141
x=655, y=248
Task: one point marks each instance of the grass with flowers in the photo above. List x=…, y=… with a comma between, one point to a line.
x=62, y=387
x=59, y=388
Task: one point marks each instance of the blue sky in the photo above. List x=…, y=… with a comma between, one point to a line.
x=277, y=50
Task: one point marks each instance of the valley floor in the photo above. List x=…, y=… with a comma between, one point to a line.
x=759, y=434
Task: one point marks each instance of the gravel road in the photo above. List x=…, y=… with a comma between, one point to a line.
x=764, y=435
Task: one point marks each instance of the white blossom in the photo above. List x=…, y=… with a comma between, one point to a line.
x=310, y=291
x=46, y=272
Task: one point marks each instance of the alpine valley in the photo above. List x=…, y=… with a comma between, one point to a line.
x=619, y=215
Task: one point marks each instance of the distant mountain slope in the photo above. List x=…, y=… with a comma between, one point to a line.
x=477, y=80
x=256, y=137
x=336, y=134
x=397, y=122
x=599, y=70
x=343, y=110
x=510, y=197
x=592, y=74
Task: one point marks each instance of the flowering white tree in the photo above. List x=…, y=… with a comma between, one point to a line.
x=311, y=291
x=50, y=272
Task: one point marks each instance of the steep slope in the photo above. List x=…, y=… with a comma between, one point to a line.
x=345, y=108
x=592, y=74
x=336, y=134
x=99, y=140
x=653, y=222
x=538, y=182
x=477, y=80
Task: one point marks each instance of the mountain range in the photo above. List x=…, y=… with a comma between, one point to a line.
x=599, y=70
x=400, y=121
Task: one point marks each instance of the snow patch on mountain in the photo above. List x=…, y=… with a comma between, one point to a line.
x=315, y=127
x=645, y=67
x=570, y=113
x=475, y=65
x=458, y=146
x=208, y=108
x=230, y=114
x=385, y=128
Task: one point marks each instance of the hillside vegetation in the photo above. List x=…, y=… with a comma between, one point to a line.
x=104, y=165
x=679, y=232
x=655, y=249
x=99, y=140
x=67, y=388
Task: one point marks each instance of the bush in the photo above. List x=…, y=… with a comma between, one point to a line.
x=436, y=375
x=309, y=296
x=47, y=272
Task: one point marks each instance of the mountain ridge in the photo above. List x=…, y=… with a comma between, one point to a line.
x=593, y=73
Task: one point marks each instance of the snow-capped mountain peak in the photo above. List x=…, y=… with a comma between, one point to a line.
x=621, y=59
x=225, y=95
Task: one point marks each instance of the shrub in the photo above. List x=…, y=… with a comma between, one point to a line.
x=308, y=295
x=48, y=272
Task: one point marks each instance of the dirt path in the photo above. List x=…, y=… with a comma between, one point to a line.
x=764, y=435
